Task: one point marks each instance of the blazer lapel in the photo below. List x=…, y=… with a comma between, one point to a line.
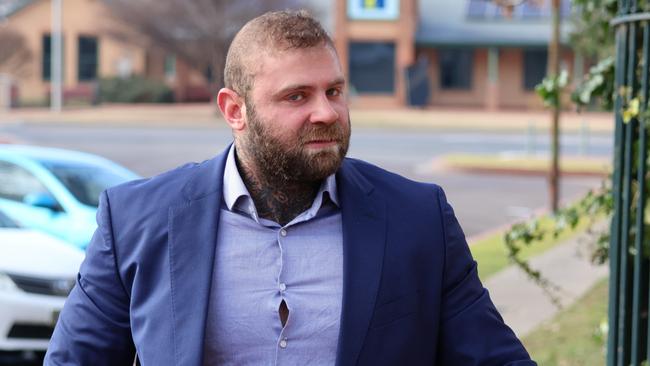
x=364, y=238
x=192, y=240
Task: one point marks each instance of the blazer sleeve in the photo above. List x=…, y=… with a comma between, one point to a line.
x=93, y=327
x=472, y=331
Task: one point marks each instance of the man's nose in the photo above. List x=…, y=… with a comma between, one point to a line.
x=324, y=111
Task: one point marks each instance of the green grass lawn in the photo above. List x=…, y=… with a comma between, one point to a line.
x=573, y=337
x=491, y=255
x=568, y=164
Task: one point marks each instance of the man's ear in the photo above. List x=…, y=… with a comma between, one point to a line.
x=232, y=108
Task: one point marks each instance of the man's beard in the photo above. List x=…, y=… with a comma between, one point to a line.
x=281, y=161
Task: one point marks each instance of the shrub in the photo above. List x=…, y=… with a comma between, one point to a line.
x=134, y=89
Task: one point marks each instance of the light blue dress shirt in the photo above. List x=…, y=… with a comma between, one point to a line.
x=258, y=264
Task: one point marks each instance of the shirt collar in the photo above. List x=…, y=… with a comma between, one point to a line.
x=236, y=195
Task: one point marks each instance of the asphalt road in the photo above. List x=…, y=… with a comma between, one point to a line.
x=482, y=202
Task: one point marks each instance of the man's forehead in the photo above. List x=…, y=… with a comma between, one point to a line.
x=268, y=61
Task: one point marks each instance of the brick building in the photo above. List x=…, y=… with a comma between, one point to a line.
x=89, y=52
x=460, y=53
x=448, y=53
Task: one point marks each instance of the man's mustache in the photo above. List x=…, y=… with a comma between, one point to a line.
x=333, y=132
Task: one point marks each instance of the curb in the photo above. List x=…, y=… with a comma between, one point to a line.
x=522, y=171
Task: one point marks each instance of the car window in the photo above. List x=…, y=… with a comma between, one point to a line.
x=16, y=182
x=86, y=182
x=6, y=222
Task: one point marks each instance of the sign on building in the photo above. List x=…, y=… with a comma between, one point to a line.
x=373, y=9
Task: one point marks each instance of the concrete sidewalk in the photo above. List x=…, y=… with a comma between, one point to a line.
x=524, y=306
x=202, y=114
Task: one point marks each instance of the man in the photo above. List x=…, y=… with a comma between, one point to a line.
x=280, y=250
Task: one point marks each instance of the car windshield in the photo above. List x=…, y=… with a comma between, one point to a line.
x=6, y=222
x=86, y=182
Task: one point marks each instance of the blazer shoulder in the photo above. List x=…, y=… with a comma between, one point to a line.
x=174, y=187
x=160, y=190
x=393, y=184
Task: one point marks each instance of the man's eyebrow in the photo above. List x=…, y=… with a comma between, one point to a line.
x=291, y=87
x=338, y=81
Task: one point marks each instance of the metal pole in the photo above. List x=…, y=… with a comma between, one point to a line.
x=530, y=140
x=554, y=71
x=56, y=64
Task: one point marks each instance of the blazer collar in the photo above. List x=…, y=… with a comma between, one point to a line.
x=207, y=178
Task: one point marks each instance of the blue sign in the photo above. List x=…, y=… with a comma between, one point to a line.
x=373, y=4
x=373, y=9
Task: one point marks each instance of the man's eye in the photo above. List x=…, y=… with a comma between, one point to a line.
x=334, y=92
x=295, y=97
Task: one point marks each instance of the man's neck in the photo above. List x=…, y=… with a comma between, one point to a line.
x=275, y=199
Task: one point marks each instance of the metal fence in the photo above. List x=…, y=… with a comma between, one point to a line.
x=628, y=341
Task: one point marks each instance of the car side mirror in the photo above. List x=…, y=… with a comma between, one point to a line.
x=43, y=200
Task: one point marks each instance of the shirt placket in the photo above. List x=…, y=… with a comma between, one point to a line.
x=282, y=344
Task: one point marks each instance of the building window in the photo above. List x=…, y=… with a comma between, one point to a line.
x=535, y=63
x=46, y=61
x=456, y=68
x=88, y=60
x=47, y=57
x=372, y=67
x=527, y=10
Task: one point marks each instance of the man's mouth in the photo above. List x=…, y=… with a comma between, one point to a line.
x=321, y=143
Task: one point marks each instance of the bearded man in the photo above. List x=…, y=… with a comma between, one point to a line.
x=280, y=251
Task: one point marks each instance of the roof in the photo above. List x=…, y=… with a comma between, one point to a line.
x=481, y=23
x=10, y=7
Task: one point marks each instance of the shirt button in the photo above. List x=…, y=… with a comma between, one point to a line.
x=283, y=343
x=283, y=287
x=283, y=232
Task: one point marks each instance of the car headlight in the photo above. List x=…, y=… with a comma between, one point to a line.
x=7, y=284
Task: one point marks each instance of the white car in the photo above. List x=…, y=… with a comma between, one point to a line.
x=37, y=271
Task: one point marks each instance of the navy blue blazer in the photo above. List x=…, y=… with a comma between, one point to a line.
x=411, y=293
